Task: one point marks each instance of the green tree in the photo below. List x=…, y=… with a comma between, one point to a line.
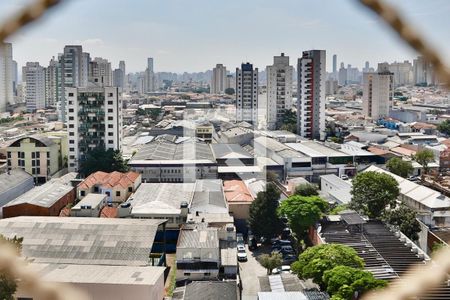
x=8, y=285
x=345, y=282
x=444, y=127
x=338, y=208
x=406, y=220
x=424, y=157
x=270, y=262
x=400, y=167
x=306, y=189
x=372, y=192
x=289, y=127
x=229, y=91
x=302, y=212
x=315, y=261
x=100, y=159
x=263, y=218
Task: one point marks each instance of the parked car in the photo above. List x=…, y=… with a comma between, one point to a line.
x=241, y=253
x=252, y=243
x=288, y=259
x=281, y=270
x=344, y=177
x=284, y=250
x=286, y=233
x=240, y=239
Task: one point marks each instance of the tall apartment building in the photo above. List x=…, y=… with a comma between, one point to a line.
x=85, y=62
x=94, y=120
x=118, y=77
x=15, y=77
x=230, y=82
x=100, y=72
x=247, y=94
x=33, y=76
x=279, y=90
x=335, y=70
x=218, y=79
x=149, y=77
x=52, y=83
x=123, y=69
x=423, y=72
x=378, y=91
x=403, y=73
x=311, y=70
x=6, y=76
x=342, y=75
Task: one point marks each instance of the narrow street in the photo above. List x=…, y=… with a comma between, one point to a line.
x=249, y=272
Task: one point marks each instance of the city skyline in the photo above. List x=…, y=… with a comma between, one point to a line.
x=166, y=31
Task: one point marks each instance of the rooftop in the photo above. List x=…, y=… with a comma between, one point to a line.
x=10, y=180
x=161, y=198
x=236, y=191
x=91, y=200
x=109, y=180
x=98, y=274
x=209, y=197
x=281, y=149
x=229, y=151
x=203, y=238
x=209, y=290
x=44, y=195
x=101, y=241
x=315, y=149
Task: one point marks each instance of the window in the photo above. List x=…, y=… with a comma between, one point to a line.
x=108, y=194
x=110, y=126
x=71, y=149
x=95, y=189
x=71, y=126
x=32, y=155
x=71, y=110
x=207, y=274
x=187, y=274
x=38, y=154
x=110, y=102
x=71, y=142
x=82, y=193
x=71, y=118
x=110, y=110
x=110, y=94
x=70, y=94
x=110, y=118
x=130, y=189
x=71, y=133
x=110, y=142
x=117, y=193
x=9, y=154
x=110, y=134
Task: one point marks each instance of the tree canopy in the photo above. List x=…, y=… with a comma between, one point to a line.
x=315, y=261
x=289, y=122
x=100, y=159
x=302, y=212
x=8, y=285
x=263, y=218
x=372, y=192
x=444, y=127
x=343, y=282
x=270, y=262
x=424, y=157
x=400, y=167
x=405, y=218
x=306, y=189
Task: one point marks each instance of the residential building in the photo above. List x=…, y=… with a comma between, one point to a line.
x=38, y=155
x=116, y=186
x=378, y=92
x=149, y=77
x=335, y=70
x=15, y=77
x=6, y=76
x=71, y=74
x=279, y=90
x=311, y=70
x=44, y=200
x=239, y=200
x=89, y=206
x=14, y=183
x=218, y=79
x=423, y=72
x=204, y=131
x=102, y=282
x=118, y=79
x=94, y=120
x=230, y=82
x=33, y=76
x=124, y=72
x=100, y=72
x=403, y=73
x=247, y=94
x=342, y=75
x=174, y=159
x=52, y=83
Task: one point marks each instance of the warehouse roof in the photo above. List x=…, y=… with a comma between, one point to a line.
x=94, y=274
x=209, y=197
x=11, y=180
x=281, y=149
x=208, y=290
x=226, y=151
x=315, y=149
x=101, y=241
x=203, y=238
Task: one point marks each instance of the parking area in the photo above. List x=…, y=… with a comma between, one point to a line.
x=249, y=272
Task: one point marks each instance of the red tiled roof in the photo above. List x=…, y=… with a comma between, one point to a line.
x=377, y=151
x=108, y=212
x=109, y=179
x=236, y=191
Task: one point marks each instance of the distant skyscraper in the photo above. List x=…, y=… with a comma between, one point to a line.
x=52, y=83
x=279, y=90
x=6, y=76
x=94, y=120
x=150, y=64
x=100, y=72
x=335, y=71
x=218, y=79
x=342, y=75
x=122, y=68
x=150, y=79
x=247, y=94
x=84, y=75
x=378, y=90
x=15, y=77
x=403, y=73
x=423, y=72
x=118, y=79
x=33, y=76
x=311, y=70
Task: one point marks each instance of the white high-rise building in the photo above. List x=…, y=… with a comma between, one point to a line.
x=403, y=73
x=335, y=70
x=52, y=83
x=218, y=79
x=150, y=79
x=378, y=91
x=94, y=120
x=33, y=76
x=71, y=74
x=125, y=80
x=311, y=70
x=247, y=94
x=279, y=90
x=6, y=76
x=230, y=82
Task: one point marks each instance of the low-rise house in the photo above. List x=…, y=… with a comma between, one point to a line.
x=336, y=189
x=44, y=200
x=116, y=186
x=13, y=184
x=239, y=200
x=89, y=206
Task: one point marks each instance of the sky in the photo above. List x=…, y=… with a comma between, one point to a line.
x=195, y=35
